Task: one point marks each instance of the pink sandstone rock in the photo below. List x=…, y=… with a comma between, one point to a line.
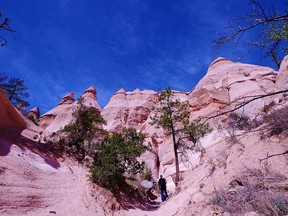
x=67, y=99
x=61, y=115
x=282, y=77
x=11, y=121
x=227, y=81
x=128, y=109
x=224, y=83
x=90, y=98
x=35, y=113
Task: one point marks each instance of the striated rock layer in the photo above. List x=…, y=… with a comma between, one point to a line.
x=128, y=109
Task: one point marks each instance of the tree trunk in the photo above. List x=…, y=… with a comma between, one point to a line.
x=177, y=178
x=275, y=59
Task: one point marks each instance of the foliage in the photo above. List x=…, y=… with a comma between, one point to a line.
x=118, y=155
x=268, y=107
x=170, y=115
x=270, y=24
x=195, y=130
x=173, y=117
x=83, y=130
x=16, y=91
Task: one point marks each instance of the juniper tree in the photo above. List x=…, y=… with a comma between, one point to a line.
x=15, y=90
x=117, y=155
x=173, y=117
x=83, y=130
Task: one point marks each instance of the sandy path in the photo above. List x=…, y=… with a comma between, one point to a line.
x=31, y=184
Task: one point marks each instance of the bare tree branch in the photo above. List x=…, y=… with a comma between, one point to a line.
x=256, y=97
x=269, y=23
x=273, y=155
x=4, y=26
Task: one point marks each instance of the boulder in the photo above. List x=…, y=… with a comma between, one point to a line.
x=146, y=184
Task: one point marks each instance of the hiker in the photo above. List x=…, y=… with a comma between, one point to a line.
x=162, y=186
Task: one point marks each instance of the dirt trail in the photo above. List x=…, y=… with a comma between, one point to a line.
x=31, y=184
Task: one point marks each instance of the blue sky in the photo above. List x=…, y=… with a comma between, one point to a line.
x=69, y=45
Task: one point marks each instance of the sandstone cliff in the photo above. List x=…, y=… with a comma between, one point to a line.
x=61, y=115
x=11, y=120
x=128, y=109
x=226, y=85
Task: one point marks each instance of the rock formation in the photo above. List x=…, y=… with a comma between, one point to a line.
x=35, y=113
x=67, y=99
x=61, y=115
x=227, y=82
x=226, y=85
x=128, y=109
x=11, y=121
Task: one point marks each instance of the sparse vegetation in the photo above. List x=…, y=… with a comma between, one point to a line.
x=277, y=121
x=254, y=191
x=269, y=24
x=246, y=74
x=268, y=107
x=5, y=26
x=241, y=122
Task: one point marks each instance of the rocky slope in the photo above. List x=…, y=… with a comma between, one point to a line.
x=35, y=181
x=226, y=85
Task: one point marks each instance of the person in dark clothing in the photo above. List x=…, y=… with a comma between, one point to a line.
x=162, y=186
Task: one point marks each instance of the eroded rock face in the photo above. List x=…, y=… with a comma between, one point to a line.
x=282, y=77
x=11, y=121
x=35, y=113
x=128, y=109
x=90, y=99
x=224, y=83
x=67, y=99
x=61, y=115
x=227, y=82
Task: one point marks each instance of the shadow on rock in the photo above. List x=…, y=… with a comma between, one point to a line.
x=133, y=198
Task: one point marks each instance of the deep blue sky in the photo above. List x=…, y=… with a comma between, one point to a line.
x=69, y=45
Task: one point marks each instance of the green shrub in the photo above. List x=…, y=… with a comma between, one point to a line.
x=81, y=132
x=118, y=155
